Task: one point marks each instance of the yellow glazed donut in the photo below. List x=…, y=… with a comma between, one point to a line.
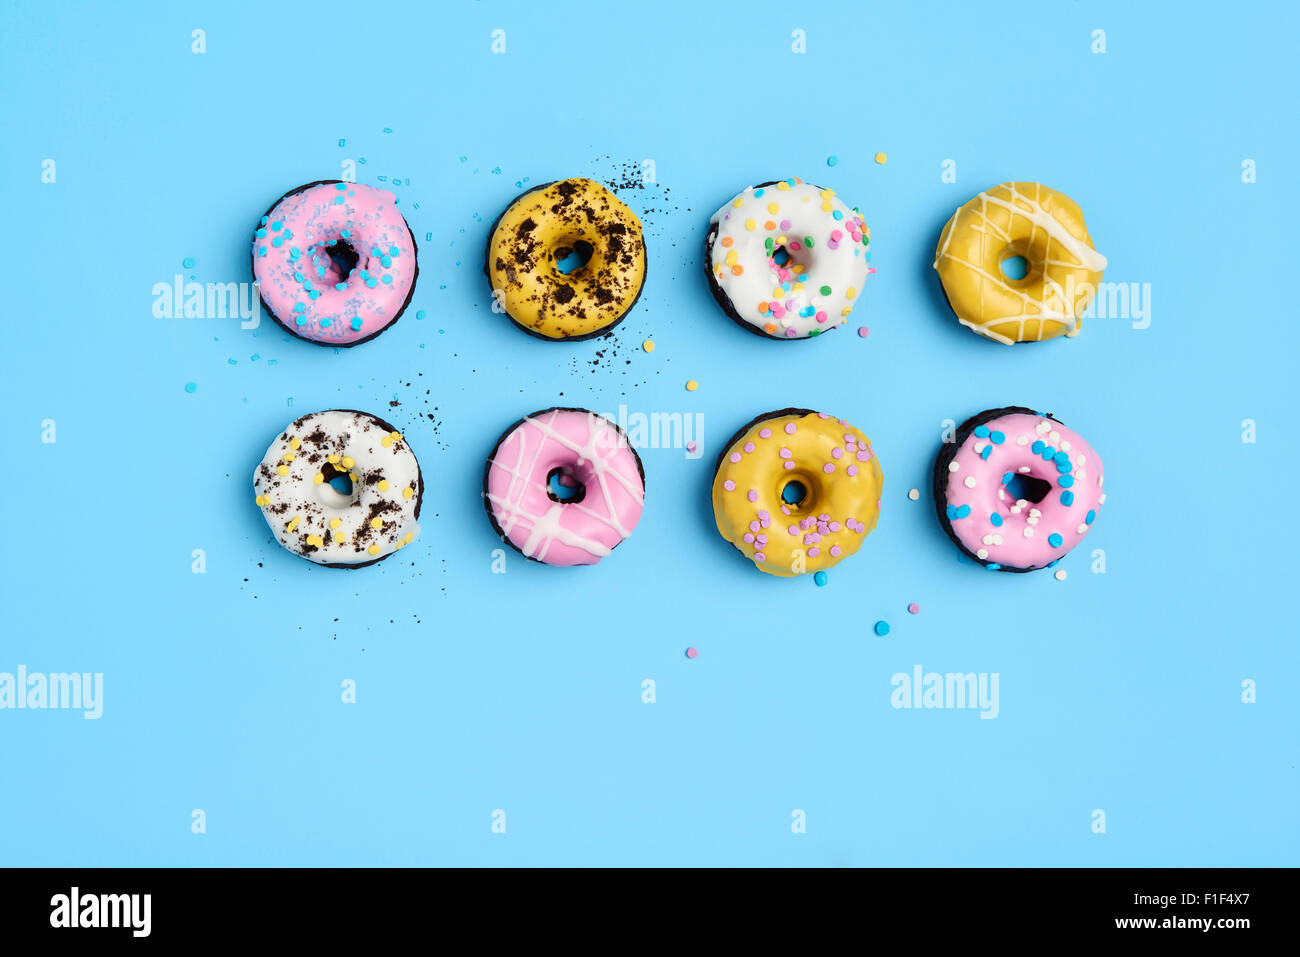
x=797, y=491
x=1041, y=225
x=547, y=225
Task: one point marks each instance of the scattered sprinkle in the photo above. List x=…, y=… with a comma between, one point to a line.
x=914, y=494
x=1060, y=574
x=648, y=345
x=881, y=158
x=832, y=160
x=820, y=579
x=191, y=386
x=882, y=628
x=691, y=652
x=188, y=262
x=692, y=385
x=691, y=446
x=913, y=608
x=862, y=332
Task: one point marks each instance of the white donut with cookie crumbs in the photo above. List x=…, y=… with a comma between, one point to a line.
x=295, y=487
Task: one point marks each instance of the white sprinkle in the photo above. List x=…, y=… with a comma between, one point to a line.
x=1035, y=512
x=1054, y=435
x=970, y=481
x=1022, y=440
x=1032, y=520
x=1024, y=468
x=1101, y=480
x=1029, y=532
x=914, y=494
x=1083, y=459
x=983, y=553
x=987, y=539
x=953, y=466
x=1042, y=427
x=1078, y=475
x=1081, y=529
x=979, y=447
x=997, y=539
x=1022, y=502
x=1060, y=574
x=1065, y=446
x=1101, y=499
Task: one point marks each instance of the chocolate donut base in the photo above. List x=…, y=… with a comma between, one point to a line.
x=487, y=472
x=252, y=257
x=608, y=327
x=948, y=452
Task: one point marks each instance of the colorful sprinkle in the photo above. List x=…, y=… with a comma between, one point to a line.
x=882, y=628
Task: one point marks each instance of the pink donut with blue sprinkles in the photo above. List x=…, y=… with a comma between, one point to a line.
x=334, y=263
x=1016, y=490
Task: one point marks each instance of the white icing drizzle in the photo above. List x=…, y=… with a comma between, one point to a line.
x=544, y=528
x=1054, y=306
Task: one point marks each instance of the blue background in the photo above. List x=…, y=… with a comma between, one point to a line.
x=522, y=691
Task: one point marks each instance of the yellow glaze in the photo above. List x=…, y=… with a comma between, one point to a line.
x=1019, y=219
x=544, y=226
x=837, y=512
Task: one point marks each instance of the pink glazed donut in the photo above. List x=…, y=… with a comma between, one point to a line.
x=334, y=262
x=564, y=486
x=1016, y=490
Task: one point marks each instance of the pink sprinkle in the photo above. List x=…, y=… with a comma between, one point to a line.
x=793, y=529
x=691, y=446
x=837, y=453
x=785, y=453
x=833, y=245
x=763, y=514
x=761, y=539
x=734, y=456
x=862, y=454
x=759, y=557
x=862, y=332
x=785, y=226
x=913, y=608
x=748, y=538
x=834, y=526
x=820, y=317
x=778, y=310
x=789, y=465
x=754, y=526
x=824, y=517
x=837, y=235
x=749, y=446
x=752, y=495
x=764, y=433
x=853, y=470
x=691, y=652
x=790, y=428
x=729, y=485
x=835, y=551
x=814, y=552
x=828, y=468
x=790, y=333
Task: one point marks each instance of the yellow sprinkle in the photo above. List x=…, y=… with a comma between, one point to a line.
x=332, y=459
x=262, y=500
x=282, y=470
x=737, y=203
x=783, y=185
x=383, y=485
x=354, y=476
x=400, y=545
x=408, y=492
x=340, y=538
x=827, y=193
x=731, y=258
x=648, y=345
x=293, y=523
x=385, y=441
x=335, y=522
x=774, y=207
x=826, y=207
x=850, y=293
x=317, y=478
x=778, y=293
x=395, y=436
x=376, y=522
x=881, y=158
x=692, y=385
x=780, y=240
x=407, y=539
x=373, y=549
x=348, y=461
x=289, y=456
x=797, y=287
x=749, y=224
x=295, y=443
x=846, y=310
x=315, y=540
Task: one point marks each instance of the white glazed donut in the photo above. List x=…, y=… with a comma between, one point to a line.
x=787, y=259
x=311, y=518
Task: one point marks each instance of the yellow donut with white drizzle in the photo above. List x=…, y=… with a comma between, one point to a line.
x=1043, y=227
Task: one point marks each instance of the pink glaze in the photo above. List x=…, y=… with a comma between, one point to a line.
x=1025, y=537
x=592, y=451
x=304, y=225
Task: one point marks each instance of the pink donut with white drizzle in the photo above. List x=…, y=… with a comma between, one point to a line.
x=334, y=263
x=564, y=486
x=1016, y=490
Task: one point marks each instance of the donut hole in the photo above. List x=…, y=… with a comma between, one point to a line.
x=337, y=491
x=563, y=486
x=570, y=257
x=1032, y=490
x=341, y=484
x=1015, y=268
x=343, y=258
x=787, y=256
x=794, y=493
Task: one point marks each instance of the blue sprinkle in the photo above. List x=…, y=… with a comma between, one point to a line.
x=1063, y=466
x=299, y=307
x=951, y=512
x=386, y=260
x=276, y=226
x=191, y=387
x=301, y=321
x=356, y=323
x=792, y=182
x=365, y=274
x=997, y=437
x=338, y=200
x=1037, y=447
x=1065, y=481
x=346, y=234
x=1062, y=456
x=820, y=579
x=288, y=234
x=1049, y=453
x=263, y=220
x=832, y=160
x=394, y=251
x=837, y=214
x=298, y=276
x=376, y=251
x=1055, y=540
x=314, y=294
x=1007, y=477
x=982, y=431
x=1067, y=498
x=261, y=250
x=325, y=323
x=963, y=511
x=986, y=451
x=320, y=272
x=341, y=186
x=882, y=628
x=372, y=283
x=996, y=519
x=340, y=285
x=277, y=242
x=758, y=192
x=993, y=566
x=420, y=314
x=261, y=232
x=388, y=279
x=1090, y=516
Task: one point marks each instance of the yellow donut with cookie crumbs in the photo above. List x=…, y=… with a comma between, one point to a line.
x=541, y=231
x=797, y=491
